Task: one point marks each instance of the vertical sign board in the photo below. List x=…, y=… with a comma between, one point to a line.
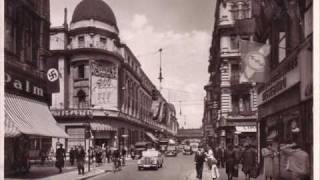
x=104, y=85
x=305, y=61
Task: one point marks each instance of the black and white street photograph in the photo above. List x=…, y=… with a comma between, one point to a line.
x=159, y=90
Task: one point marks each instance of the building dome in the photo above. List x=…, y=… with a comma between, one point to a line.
x=94, y=9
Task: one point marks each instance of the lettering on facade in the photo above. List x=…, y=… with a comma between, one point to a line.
x=283, y=78
x=72, y=112
x=289, y=66
x=104, y=83
x=275, y=89
x=23, y=85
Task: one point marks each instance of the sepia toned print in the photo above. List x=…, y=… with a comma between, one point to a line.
x=104, y=89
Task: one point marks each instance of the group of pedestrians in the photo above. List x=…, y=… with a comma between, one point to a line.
x=77, y=154
x=97, y=154
x=230, y=159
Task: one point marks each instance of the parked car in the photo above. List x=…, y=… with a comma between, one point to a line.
x=151, y=158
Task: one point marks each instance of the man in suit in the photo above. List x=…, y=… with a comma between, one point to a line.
x=199, y=159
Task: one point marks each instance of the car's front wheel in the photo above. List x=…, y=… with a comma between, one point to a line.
x=139, y=168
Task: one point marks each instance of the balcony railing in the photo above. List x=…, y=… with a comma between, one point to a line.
x=235, y=79
x=97, y=45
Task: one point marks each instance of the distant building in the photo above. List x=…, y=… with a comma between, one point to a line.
x=102, y=84
x=187, y=134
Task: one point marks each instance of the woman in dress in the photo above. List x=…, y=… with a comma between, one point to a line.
x=214, y=168
x=268, y=154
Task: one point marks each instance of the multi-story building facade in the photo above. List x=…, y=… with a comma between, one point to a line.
x=230, y=104
x=102, y=84
x=29, y=125
x=286, y=98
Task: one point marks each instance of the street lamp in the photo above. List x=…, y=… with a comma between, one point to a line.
x=88, y=136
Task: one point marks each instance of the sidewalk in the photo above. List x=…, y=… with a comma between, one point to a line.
x=206, y=175
x=68, y=173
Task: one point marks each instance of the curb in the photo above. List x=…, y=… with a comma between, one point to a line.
x=93, y=175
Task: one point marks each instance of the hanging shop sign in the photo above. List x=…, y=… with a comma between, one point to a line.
x=285, y=77
x=246, y=128
x=104, y=85
x=24, y=85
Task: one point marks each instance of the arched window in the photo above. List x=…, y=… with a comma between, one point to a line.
x=81, y=95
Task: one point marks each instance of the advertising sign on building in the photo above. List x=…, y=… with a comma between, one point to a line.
x=285, y=77
x=25, y=85
x=104, y=85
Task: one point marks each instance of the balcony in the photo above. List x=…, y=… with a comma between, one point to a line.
x=235, y=79
x=96, y=45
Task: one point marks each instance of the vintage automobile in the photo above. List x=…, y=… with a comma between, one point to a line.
x=151, y=158
x=140, y=147
x=171, y=150
x=187, y=150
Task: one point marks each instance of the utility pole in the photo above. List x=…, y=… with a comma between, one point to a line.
x=180, y=108
x=160, y=72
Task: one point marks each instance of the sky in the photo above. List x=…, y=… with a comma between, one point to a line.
x=182, y=28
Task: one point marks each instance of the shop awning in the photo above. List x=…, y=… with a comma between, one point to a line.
x=152, y=137
x=10, y=129
x=27, y=116
x=246, y=128
x=100, y=126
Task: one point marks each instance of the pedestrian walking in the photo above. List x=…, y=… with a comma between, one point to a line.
x=71, y=156
x=199, y=159
x=230, y=161
x=116, y=160
x=123, y=155
x=210, y=157
x=80, y=155
x=220, y=156
x=104, y=153
x=108, y=154
x=248, y=159
x=98, y=155
x=268, y=155
x=214, y=169
x=60, y=157
x=132, y=154
x=237, y=152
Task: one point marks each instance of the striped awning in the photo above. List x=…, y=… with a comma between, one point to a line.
x=27, y=116
x=100, y=126
x=10, y=129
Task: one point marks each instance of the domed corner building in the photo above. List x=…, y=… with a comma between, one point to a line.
x=105, y=97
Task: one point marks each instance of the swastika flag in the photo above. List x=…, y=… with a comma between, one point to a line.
x=52, y=75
